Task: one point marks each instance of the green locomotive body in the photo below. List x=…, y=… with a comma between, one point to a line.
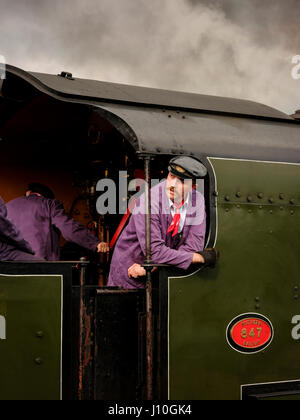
x=258, y=273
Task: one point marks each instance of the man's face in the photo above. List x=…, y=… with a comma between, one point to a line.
x=177, y=188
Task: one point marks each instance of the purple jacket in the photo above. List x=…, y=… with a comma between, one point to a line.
x=178, y=251
x=41, y=220
x=12, y=245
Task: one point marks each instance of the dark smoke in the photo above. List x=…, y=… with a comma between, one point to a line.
x=235, y=48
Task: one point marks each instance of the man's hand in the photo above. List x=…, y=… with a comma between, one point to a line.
x=197, y=259
x=210, y=256
x=135, y=271
x=102, y=247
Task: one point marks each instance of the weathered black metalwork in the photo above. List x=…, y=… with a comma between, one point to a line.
x=83, y=331
x=119, y=369
x=149, y=315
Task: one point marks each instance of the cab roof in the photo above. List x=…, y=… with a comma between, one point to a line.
x=168, y=122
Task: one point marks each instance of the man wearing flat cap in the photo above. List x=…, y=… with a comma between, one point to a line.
x=178, y=224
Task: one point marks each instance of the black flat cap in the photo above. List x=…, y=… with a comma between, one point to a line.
x=186, y=167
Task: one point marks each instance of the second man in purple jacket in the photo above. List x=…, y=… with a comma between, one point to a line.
x=41, y=219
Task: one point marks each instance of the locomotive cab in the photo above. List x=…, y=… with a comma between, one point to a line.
x=82, y=154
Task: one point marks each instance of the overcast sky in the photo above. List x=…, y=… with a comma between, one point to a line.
x=235, y=48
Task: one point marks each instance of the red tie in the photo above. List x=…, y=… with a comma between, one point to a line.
x=174, y=226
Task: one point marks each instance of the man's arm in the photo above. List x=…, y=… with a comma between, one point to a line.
x=208, y=257
x=187, y=253
x=73, y=231
x=160, y=253
x=136, y=270
x=195, y=239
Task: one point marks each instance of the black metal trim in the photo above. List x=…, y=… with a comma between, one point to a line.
x=270, y=390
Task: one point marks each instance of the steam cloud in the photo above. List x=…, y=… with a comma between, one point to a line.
x=232, y=48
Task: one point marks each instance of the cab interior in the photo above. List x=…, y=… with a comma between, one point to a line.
x=69, y=147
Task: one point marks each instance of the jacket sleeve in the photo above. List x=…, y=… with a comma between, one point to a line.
x=70, y=229
x=195, y=239
x=9, y=233
x=160, y=253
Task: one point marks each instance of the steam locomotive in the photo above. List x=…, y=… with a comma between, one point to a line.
x=229, y=332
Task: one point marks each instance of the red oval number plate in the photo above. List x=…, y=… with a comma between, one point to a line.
x=249, y=333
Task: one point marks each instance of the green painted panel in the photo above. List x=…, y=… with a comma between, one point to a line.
x=258, y=272
x=30, y=337
x=276, y=181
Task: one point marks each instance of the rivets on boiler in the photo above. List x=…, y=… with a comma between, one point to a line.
x=260, y=201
